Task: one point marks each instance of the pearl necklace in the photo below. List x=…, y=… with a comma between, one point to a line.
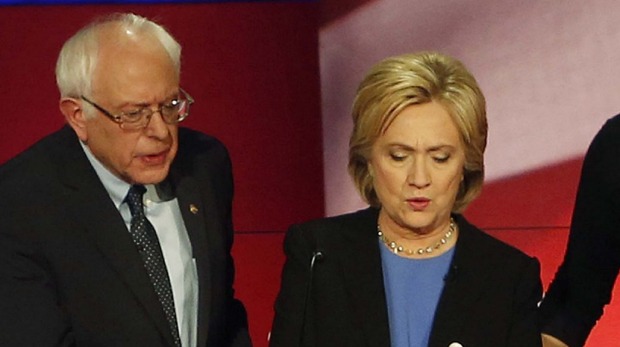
x=396, y=248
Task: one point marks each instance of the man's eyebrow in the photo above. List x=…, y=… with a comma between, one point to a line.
x=142, y=104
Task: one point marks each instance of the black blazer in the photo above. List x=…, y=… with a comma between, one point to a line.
x=69, y=272
x=490, y=295
x=584, y=282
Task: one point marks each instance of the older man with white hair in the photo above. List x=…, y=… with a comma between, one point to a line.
x=116, y=230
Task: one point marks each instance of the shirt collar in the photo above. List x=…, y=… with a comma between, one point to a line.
x=117, y=188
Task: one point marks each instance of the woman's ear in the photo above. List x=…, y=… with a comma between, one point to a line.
x=75, y=117
x=371, y=170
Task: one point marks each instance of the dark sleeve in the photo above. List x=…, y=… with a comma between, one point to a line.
x=525, y=330
x=237, y=322
x=290, y=305
x=236, y=319
x=584, y=281
x=30, y=313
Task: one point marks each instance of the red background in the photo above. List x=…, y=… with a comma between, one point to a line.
x=253, y=69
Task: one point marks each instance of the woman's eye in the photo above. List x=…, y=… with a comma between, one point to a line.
x=441, y=159
x=398, y=156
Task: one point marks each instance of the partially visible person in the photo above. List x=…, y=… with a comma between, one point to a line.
x=116, y=229
x=410, y=270
x=584, y=282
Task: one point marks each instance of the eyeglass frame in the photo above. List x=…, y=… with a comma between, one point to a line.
x=118, y=118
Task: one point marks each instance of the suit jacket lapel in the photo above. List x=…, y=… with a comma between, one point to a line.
x=194, y=213
x=465, y=286
x=90, y=203
x=361, y=265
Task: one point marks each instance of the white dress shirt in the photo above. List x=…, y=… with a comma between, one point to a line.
x=165, y=215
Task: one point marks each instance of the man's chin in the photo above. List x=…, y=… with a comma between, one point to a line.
x=147, y=176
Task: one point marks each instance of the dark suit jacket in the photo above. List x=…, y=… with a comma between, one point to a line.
x=489, y=299
x=69, y=272
x=584, y=282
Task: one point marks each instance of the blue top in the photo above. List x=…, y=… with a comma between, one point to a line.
x=412, y=289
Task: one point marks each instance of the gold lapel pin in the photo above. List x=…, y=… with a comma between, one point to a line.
x=193, y=209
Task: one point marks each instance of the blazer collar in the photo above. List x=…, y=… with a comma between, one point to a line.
x=465, y=284
x=203, y=230
x=361, y=265
x=204, y=219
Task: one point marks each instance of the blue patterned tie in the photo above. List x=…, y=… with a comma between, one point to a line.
x=145, y=239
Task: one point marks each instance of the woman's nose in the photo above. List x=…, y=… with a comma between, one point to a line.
x=419, y=175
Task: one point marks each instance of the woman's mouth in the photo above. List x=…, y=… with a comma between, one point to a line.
x=418, y=204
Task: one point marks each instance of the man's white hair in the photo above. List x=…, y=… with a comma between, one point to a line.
x=78, y=57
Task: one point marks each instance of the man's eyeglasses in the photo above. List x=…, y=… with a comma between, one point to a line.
x=173, y=112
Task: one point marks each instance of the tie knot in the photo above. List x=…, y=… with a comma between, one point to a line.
x=134, y=199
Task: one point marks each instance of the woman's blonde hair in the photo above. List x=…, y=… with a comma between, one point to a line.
x=400, y=81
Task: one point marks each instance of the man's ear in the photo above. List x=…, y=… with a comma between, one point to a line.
x=75, y=117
